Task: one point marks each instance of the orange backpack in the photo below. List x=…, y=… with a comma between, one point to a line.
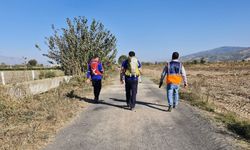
x=94, y=68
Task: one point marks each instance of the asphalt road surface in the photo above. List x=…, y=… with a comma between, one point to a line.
x=109, y=125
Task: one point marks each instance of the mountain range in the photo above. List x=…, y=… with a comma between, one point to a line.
x=225, y=53
x=11, y=60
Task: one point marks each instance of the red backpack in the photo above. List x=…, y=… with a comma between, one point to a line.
x=94, y=67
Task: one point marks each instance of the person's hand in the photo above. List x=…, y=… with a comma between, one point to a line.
x=141, y=73
x=122, y=82
x=88, y=81
x=185, y=85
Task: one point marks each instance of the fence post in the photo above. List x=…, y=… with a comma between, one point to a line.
x=3, y=81
x=33, y=74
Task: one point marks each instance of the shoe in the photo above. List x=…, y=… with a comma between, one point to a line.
x=96, y=99
x=169, y=108
x=174, y=106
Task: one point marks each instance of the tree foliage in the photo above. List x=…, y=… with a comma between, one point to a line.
x=74, y=46
x=195, y=62
x=32, y=62
x=122, y=58
x=202, y=60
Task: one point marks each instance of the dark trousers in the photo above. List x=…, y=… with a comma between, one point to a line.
x=97, y=84
x=131, y=91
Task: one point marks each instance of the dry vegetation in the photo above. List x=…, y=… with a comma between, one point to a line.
x=222, y=88
x=226, y=85
x=29, y=123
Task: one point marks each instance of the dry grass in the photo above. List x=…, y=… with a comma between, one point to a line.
x=31, y=122
x=222, y=88
x=224, y=84
x=227, y=85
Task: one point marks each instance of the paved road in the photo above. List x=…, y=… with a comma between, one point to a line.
x=108, y=125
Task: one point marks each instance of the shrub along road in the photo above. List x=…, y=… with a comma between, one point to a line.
x=108, y=125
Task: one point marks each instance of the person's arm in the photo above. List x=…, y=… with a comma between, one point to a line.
x=88, y=73
x=163, y=75
x=100, y=68
x=140, y=67
x=184, y=75
x=122, y=73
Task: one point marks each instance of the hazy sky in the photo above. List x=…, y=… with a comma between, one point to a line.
x=153, y=28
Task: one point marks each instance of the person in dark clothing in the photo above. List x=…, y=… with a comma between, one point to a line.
x=94, y=73
x=130, y=71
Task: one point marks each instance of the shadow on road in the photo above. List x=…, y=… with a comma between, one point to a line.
x=103, y=103
x=72, y=95
x=151, y=105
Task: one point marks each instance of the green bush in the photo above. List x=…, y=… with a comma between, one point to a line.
x=74, y=45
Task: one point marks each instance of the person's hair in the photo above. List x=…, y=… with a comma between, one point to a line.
x=95, y=56
x=131, y=53
x=175, y=55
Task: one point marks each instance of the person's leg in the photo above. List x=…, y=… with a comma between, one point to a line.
x=98, y=88
x=128, y=95
x=176, y=95
x=134, y=92
x=95, y=86
x=170, y=96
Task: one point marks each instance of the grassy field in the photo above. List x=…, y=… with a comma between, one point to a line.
x=31, y=122
x=221, y=88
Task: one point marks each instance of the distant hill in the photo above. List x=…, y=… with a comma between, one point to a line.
x=226, y=53
x=11, y=60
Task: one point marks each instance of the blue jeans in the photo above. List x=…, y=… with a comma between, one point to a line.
x=172, y=94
